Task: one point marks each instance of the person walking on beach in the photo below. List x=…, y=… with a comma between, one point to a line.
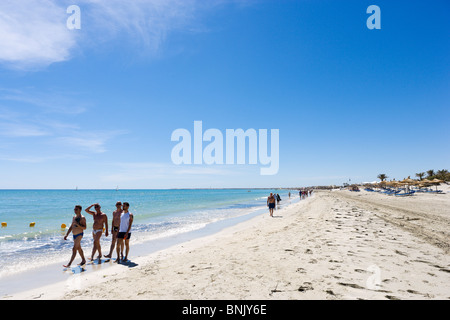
x=77, y=227
x=271, y=203
x=100, y=220
x=115, y=227
x=123, y=237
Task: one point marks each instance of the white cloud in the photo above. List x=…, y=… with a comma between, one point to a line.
x=24, y=113
x=33, y=33
x=50, y=101
x=146, y=22
x=89, y=141
x=51, y=116
x=21, y=130
x=37, y=159
x=148, y=171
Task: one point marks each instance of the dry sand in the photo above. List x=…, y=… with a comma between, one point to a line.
x=334, y=245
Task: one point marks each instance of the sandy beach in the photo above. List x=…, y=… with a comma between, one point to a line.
x=334, y=245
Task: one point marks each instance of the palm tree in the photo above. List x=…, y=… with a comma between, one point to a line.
x=382, y=176
x=430, y=173
x=420, y=175
x=442, y=174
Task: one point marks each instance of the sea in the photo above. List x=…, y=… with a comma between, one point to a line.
x=33, y=237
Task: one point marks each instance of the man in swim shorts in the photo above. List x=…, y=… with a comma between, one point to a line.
x=126, y=220
x=271, y=203
x=77, y=227
x=100, y=221
x=115, y=227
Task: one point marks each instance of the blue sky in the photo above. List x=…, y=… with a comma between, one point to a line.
x=95, y=107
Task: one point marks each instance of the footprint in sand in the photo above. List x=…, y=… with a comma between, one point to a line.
x=305, y=287
x=330, y=292
x=352, y=285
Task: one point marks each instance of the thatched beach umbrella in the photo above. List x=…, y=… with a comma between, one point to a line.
x=409, y=181
x=382, y=184
x=436, y=182
x=395, y=183
x=424, y=183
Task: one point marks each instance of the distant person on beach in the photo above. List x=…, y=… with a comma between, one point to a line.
x=278, y=198
x=77, y=227
x=100, y=221
x=115, y=227
x=271, y=203
x=123, y=237
x=289, y=194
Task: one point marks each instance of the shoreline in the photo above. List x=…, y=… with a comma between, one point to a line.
x=329, y=246
x=53, y=273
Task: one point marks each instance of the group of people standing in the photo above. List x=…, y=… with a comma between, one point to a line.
x=305, y=193
x=274, y=198
x=122, y=221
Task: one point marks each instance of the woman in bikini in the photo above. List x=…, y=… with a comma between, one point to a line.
x=77, y=227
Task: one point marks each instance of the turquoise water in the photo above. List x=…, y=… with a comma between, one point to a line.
x=158, y=213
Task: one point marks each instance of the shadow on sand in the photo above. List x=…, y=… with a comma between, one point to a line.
x=128, y=263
